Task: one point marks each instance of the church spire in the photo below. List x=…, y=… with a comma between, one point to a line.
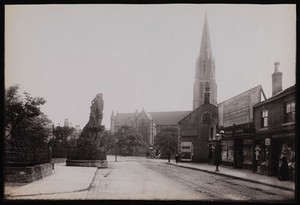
x=205, y=70
x=205, y=48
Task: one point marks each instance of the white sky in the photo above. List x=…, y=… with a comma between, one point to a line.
x=142, y=56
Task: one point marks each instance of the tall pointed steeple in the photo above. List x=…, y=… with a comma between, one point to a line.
x=205, y=70
x=205, y=48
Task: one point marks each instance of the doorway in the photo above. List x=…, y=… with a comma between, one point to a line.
x=238, y=153
x=275, y=153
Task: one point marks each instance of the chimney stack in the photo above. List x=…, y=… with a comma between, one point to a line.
x=276, y=80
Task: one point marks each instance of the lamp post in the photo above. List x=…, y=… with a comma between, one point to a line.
x=218, y=150
x=116, y=141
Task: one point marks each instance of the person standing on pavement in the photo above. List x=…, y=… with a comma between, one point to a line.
x=283, y=172
x=176, y=158
x=217, y=154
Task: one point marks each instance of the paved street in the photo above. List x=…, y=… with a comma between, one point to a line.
x=149, y=179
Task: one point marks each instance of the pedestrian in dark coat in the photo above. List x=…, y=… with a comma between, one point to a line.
x=283, y=174
x=217, y=155
x=176, y=158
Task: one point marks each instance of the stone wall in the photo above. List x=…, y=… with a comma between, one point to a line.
x=29, y=173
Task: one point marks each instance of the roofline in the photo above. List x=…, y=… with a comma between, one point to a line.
x=197, y=109
x=167, y=125
x=171, y=111
x=280, y=95
x=240, y=94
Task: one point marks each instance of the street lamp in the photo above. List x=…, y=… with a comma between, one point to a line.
x=218, y=149
x=116, y=141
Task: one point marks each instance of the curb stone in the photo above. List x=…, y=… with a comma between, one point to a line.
x=234, y=177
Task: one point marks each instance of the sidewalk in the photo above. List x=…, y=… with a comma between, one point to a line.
x=64, y=179
x=246, y=175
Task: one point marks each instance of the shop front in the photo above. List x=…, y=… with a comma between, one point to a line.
x=283, y=149
x=268, y=154
x=262, y=155
x=237, y=147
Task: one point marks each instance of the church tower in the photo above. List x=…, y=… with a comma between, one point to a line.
x=205, y=71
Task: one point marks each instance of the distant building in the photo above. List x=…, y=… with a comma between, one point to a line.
x=148, y=124
x=66, y=123
x=274, y=122
x=77, y=127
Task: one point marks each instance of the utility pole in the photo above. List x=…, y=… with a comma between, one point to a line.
x=116, y=141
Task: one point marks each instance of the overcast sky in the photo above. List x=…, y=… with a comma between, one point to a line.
x=142, y=56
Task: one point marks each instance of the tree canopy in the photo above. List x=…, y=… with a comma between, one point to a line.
x=129, y=141
x=167, y=140
x=63, y=137
x=25, y=123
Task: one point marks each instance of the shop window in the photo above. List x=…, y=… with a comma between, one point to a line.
x=247, y=151
x=264, y=118
x=290, y=111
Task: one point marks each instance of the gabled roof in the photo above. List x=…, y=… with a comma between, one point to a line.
x=122, y=118
x=278, y=95
x=203, y=105
x=159, y=118
x=168, y=118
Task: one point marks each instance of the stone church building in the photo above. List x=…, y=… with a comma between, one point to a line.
x=196, y=129
x=147, y=124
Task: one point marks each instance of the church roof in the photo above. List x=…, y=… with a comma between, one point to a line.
x=168, y=118
x=160, y=118
x=122, y=118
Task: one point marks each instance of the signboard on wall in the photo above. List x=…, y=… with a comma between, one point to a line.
x=239, y=109
x=267, y=141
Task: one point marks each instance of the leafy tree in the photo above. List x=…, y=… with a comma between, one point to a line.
x=27, y=129
x=25, y=124
x=167, y=140
x=108, y=141
x=129, y=141
x=63, y=137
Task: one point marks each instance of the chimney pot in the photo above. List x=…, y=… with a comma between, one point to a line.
x=276, y=80
x=276, y=64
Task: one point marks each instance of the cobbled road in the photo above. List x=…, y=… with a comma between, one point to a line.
x=148, y=179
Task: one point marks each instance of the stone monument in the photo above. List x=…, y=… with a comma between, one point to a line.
x=90, y=150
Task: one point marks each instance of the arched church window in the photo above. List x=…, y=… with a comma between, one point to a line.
x=206, y=118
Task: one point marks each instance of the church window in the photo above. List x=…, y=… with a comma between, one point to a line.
x=206, y=118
